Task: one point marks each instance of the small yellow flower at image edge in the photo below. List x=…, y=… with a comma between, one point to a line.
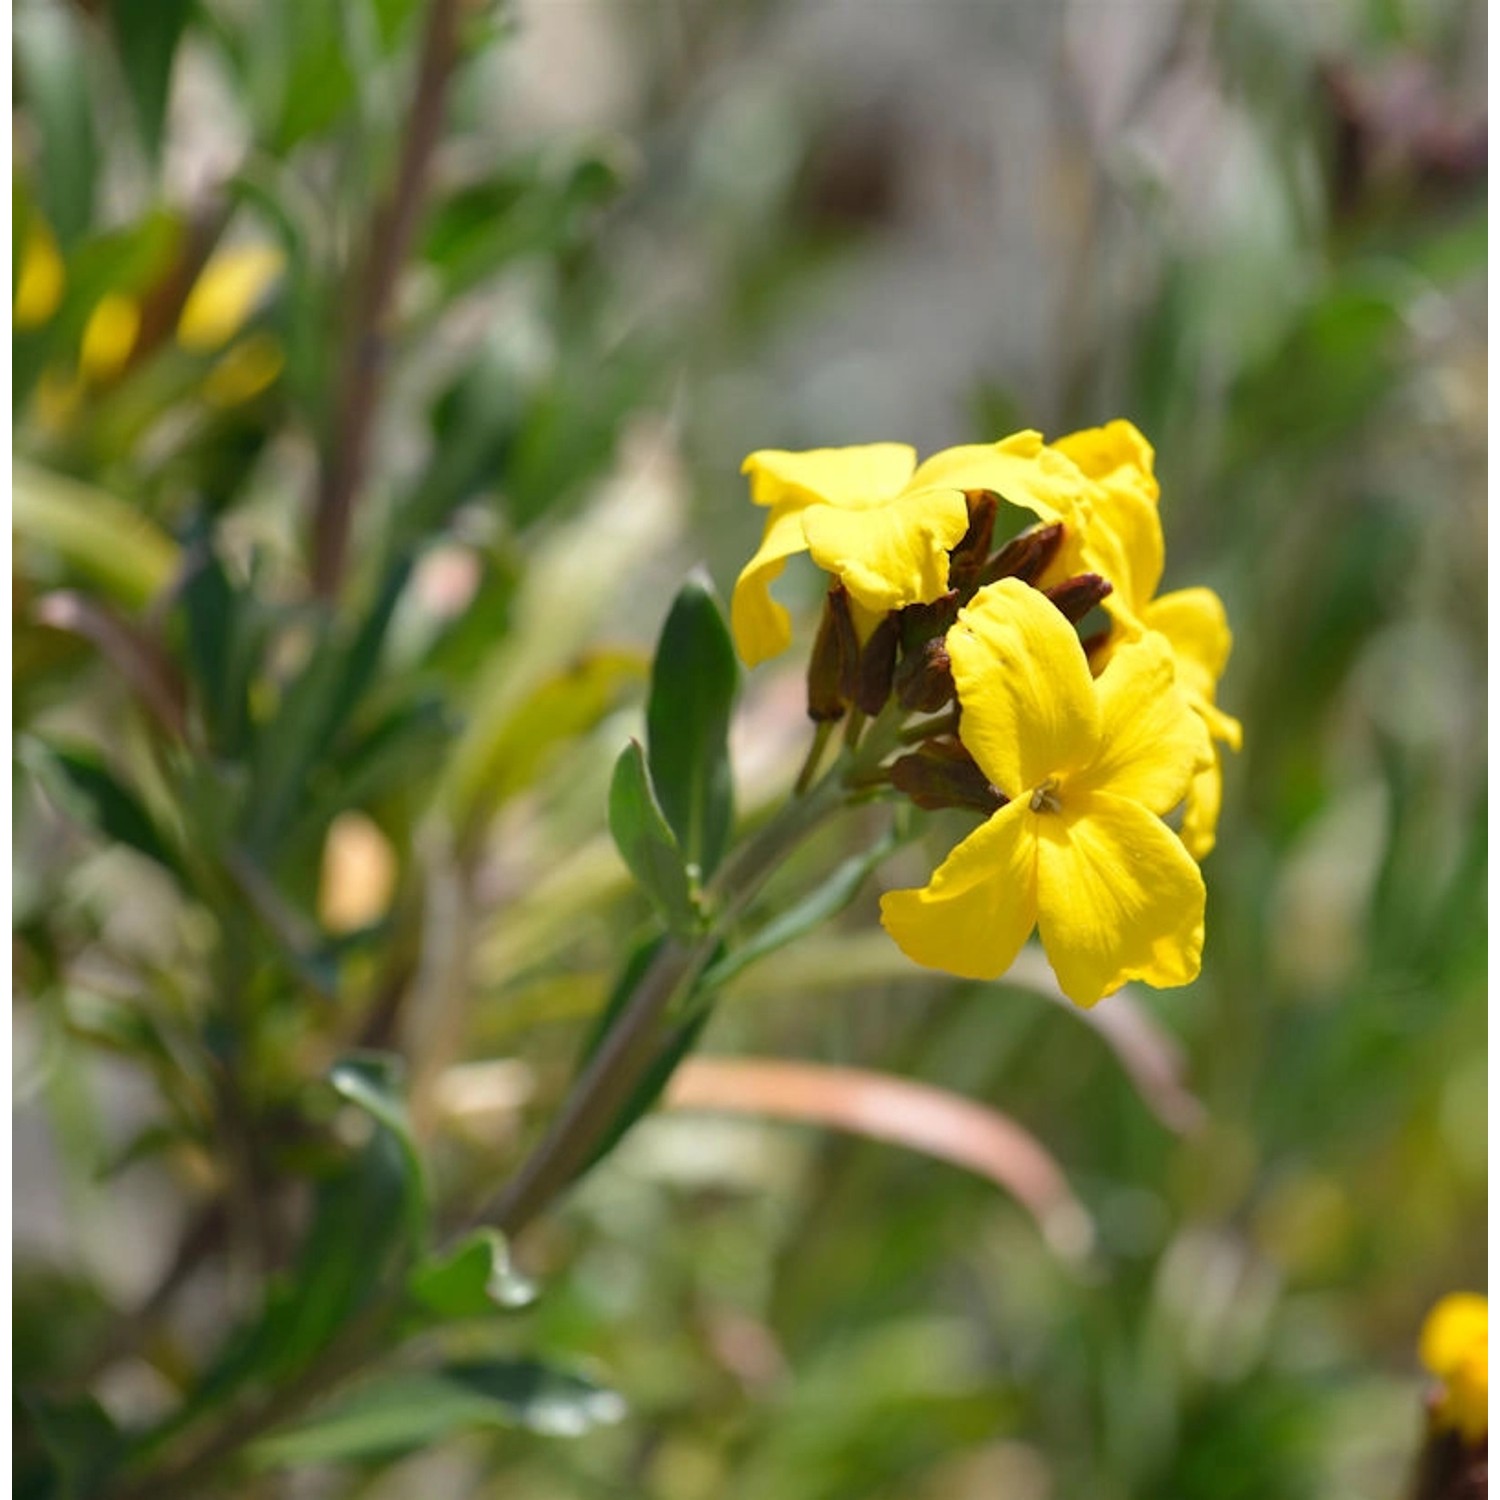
x=1454, y=1347
x=1079, y=850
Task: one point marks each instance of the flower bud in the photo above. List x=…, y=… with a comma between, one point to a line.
x=1024, y=557
x=968, y=558
x=924, y=680
x=835, y=656
x=943, y=774
x=1075, y=597
x=877, y=666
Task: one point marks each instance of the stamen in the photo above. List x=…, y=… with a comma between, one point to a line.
x=1045, y=798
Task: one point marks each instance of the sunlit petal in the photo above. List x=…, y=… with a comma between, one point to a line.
x=891, y=555
x=1029, y=705
x=1118, y=898
x=1200, y=815
x=850, y=477
x=980, y=905
x=761, y=627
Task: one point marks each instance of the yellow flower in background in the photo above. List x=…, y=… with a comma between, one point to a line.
x=226, y=293
x=244, y=372
x=108, y=338
x=1122, y=540
x=39, y=286
x=1079, y=851
x=1454, y=1346
x=878, y=522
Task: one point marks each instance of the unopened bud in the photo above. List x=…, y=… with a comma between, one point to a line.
x=943, y=774
x=835, y=654
x=966, y=559
x=924, y=680
x=1026, y=556
x=877, y=666
x=1075, y=597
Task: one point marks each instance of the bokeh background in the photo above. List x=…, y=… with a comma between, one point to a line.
x=660, y=235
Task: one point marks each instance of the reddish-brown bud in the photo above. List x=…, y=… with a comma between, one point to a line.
x=966, y=559
x=943, y=774
x=1076, y=596
x=835, y=655
x=877, y=666
x=1026, y=556
x=924, y=680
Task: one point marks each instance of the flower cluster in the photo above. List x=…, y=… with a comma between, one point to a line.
x=1076, y=747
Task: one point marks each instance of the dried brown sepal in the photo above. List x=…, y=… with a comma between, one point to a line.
x=835, y=654
x=1024, y=557
x=877, y=666
x=968, y=558
x=943, y=774
x=924, y=679
x=1075, y=597
x=921, y=622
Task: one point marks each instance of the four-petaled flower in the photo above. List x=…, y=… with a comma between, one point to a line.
x=880, y=523
x=1079, y=850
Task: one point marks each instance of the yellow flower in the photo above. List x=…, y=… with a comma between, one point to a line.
x=244, y=372
x=879, y=523
x=226, y=293
x=108, y=337
x=1455, y=1347
x=1121, y=538
x=39, y=287
x=1079, y=850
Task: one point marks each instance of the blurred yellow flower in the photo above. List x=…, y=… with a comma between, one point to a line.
x=359, y=874
x=879, y=523
x=1454, y=1346
x=39, y=287
x=226, y=293
x=1079, y=850
x=244, y=372
x=108, y=338
x=1121, y=538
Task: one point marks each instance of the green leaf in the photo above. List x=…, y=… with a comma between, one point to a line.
x=57, y=93
x=830, y=898
x=373, y=1080
x=400, y=1412
x=90, y=792
x=147, y=33
x=693, y=682
x=80, y=1439
x=474, y=1281
x=646, y=843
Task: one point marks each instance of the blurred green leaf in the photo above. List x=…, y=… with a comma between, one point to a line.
x=474, y=1280
x=693, y=681
x=58, y=93
x=103, y=540
x=81, y=1440
x=147, y=33
x=647, y=844
x=373, y=1081
x=86, y=787
x=407, y=1410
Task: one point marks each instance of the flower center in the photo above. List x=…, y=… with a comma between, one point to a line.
x=1045, y=798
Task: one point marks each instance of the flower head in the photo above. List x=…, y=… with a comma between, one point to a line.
x=879, y=523
x=1454, y=1346
x=1079, y=850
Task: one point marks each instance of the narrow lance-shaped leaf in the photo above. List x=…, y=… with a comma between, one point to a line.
x=646, y=843
x=147, y=33
x=693, y=682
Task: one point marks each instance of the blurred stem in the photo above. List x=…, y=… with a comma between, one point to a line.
x=387, y=241
x=604, y=1087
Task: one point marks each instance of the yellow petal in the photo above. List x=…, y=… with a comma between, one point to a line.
x=889, y=555
x=1150, y=741
x=225, y=294
x=1200, y=817
x=761, y=627
x=1020, y=468
x=980, y=905
x=1458, y=1324
x=39, y=287
x=1195, y=623
x=1118, y=898
x=1118, y=448
x=244, y=372
x=1029, y=706
x=851, y=477
x=108, y=337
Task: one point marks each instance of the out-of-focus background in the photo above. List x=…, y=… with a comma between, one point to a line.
x=661, y=235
